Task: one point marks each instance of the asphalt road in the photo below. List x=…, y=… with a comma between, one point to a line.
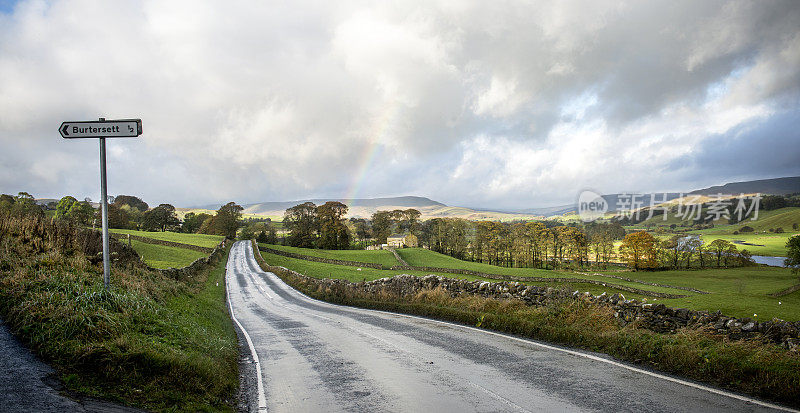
x=311, y=356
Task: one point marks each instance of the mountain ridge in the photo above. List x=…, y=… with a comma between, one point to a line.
x=365, y=207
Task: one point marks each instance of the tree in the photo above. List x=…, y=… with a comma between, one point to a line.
x=793, y=254
x=361, y=228
x=63, y=206
x=131, y=201
x=226, y=221
x=25, y=204
x=730, y=254
x=719, y=247
x=770, y=202
x=301, y=221
x=161, y=218
x=638, y=250
x=268, y=234
x=135, y=216
x=409, y=221
x=672, y=250
x=117, y=217
x=192, y=222
x=693, y=245
x=333, y=233
x=6, y=202
x=382, y=223
x=81, y=212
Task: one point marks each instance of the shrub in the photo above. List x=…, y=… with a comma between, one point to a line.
x=746, y=229
x=779, y=230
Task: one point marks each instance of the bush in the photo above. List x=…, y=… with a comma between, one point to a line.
x=746, y=229
x=779, y=230
x=735, y=232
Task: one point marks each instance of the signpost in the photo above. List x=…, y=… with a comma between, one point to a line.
x=102, y=129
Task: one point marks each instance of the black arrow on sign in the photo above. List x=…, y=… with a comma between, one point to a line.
x=64, y=129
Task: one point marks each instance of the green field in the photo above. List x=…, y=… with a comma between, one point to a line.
x=736, y=291
x=426, y=258
x=779, y=218
x=352, y=274
x=382, y=257
x=162, y=256
x=739, y=292
x=200, y=240
x=773, y=245
x=766, y=242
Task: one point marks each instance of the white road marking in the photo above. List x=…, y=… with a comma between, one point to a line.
x=603, y=360
x=572, y=352
x=262, y=399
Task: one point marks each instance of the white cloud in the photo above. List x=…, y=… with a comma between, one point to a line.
x=477, y=103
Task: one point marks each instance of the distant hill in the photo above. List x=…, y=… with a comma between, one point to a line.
x=403, y=202
x=614, y=202
x=365, y=207
x=775, y=186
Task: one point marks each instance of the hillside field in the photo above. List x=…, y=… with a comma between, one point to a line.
x=200, y=240
x=162, y=256
x=740, y=292
x=382, y=257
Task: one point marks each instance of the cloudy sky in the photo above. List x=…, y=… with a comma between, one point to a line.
x=485, y=104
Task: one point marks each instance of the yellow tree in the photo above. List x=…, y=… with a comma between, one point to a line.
x=638, y=250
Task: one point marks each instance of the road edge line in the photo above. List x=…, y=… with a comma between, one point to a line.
x=568, y=351
x=550, y=347
x=262, y=400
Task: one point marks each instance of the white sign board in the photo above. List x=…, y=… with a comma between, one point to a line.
x=123, y=128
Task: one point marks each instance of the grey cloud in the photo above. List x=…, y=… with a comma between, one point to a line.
x=256, y=102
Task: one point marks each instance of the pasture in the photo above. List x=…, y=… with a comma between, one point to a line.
x=740, y=292
x=162, y=256
x=200, y=240
x=382, y=257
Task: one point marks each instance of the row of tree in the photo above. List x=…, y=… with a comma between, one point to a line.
x=130, y=212
x=323, y=226
x=521, y=244
x=545, y=245
x=641, y=250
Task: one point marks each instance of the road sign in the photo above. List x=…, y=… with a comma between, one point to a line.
x=122, y=128
x=102, y=129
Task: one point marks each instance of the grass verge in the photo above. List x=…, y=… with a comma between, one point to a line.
x=151, y=341
x=749, y=366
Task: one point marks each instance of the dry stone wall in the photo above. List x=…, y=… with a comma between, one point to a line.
x=656, y=317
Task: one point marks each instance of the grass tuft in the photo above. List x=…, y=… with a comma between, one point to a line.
x=150, y=342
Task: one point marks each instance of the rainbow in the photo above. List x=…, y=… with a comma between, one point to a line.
x=375, y=146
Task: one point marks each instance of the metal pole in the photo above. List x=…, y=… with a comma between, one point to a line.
x=104, y=212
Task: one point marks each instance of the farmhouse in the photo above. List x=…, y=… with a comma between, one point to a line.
x=402, y=241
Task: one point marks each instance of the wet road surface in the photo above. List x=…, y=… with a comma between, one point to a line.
x=309, y=355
